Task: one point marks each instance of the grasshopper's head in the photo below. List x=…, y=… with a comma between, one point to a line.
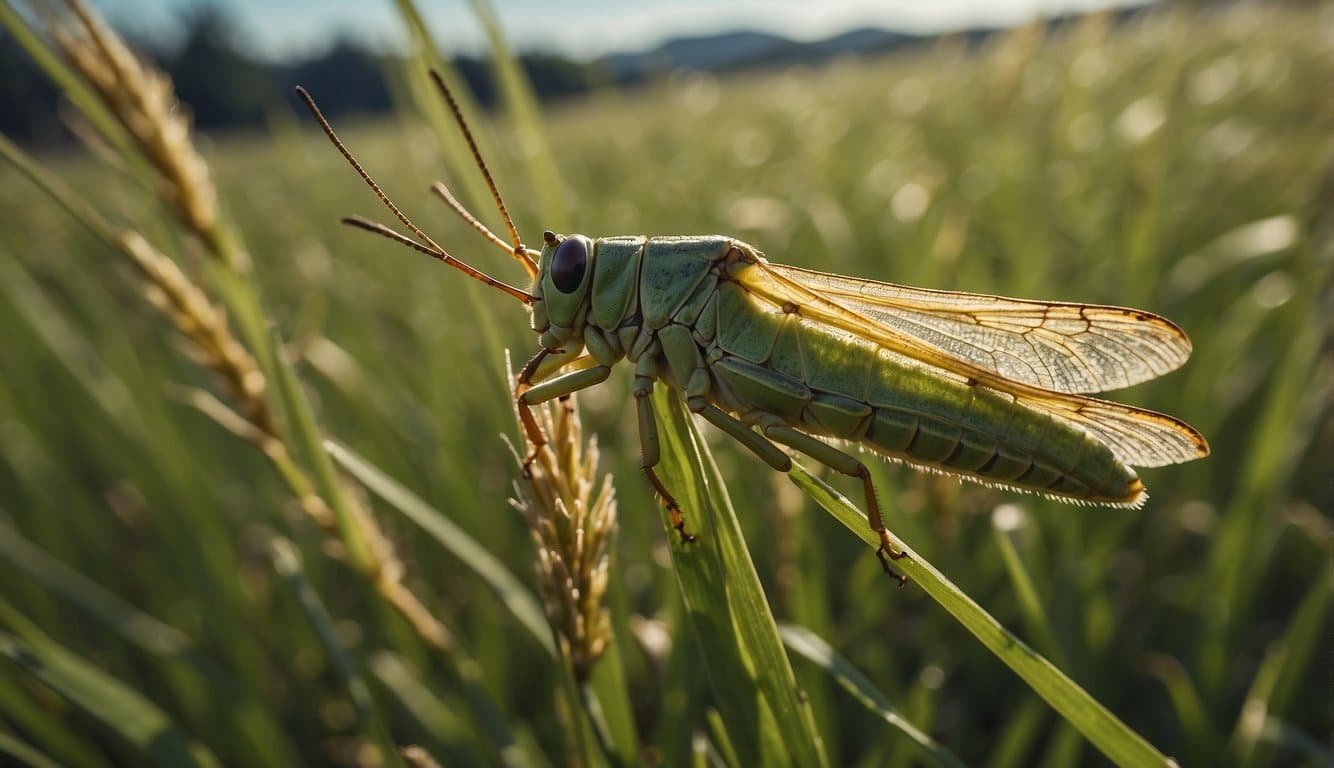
x=561, y=288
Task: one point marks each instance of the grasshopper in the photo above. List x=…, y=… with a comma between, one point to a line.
x=980, y=387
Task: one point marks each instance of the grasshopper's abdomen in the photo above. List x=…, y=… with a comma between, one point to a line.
x=769, y=360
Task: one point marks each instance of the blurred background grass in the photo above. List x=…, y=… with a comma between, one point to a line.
x=1182, y=163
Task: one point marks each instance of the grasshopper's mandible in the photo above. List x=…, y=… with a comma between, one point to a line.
x=977, y=386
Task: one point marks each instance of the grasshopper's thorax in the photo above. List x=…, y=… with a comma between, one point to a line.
x=561, y=288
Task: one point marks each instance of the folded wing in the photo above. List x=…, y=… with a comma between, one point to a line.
x=1138, y=437
x=1061, y=347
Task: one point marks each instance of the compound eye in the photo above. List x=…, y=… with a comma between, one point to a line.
x=569, y=263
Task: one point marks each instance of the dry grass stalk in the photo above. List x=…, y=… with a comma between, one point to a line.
x=186, y=305
x=572, y=528
x=214, y=346
x=143, y=100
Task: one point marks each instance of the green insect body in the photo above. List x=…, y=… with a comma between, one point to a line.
x=677, y=309
x=982, y=387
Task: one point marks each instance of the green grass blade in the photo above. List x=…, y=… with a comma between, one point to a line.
x=489, y=718
x=68, y=346
x=1039, y=627
x=718, y=748
x=1284, y=666
x=424, y=57
x=1192, y=715
x=1282, y=735
x=255, y=727
x=24, y=754
x=752, y=679
x=310, y=441
x=140, y=722
x=433, y=715
x=1013, y=743
x=134, y=625
x=1103, y=729
x=287, y=563
x=43, y=728
x=1302, y=638
x=608, y=690
x=810, y=645
x=439, y=718
x=512, y=593
x=544, y=179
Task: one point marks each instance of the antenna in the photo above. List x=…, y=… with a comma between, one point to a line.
x=426, y=244
x=520, y=253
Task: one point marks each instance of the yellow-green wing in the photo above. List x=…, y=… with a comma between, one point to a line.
x=1136, y=436
x=1061, y=347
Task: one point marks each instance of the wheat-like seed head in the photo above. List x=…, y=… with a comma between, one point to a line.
x=572, y=527
x=143, y=100
x=185, y=304
x=173, y=293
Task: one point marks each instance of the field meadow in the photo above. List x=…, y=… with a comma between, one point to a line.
x=191, y=575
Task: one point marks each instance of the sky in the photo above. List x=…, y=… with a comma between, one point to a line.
x=581, y=29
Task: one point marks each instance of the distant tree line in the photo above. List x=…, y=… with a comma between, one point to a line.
x=227, y=89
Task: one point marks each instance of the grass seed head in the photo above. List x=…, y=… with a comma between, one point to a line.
x=572, y=518
x=144, y=102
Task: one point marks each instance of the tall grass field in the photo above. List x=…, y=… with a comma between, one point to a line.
x=259, y=496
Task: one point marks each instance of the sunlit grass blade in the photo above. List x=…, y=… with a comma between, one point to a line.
x=310, y=441
x=493, y=573
x=68, y=346
x=1279, y=672
x=1192, y=716
x=512, y=593
x=41, y=727
x=1302, y=640
x=817, y=651
x=140, y=722
x=424, y=58
x=139, y=628
x=434, y=716
x=146, y=632
x=1006, y=518
x=525, y=116
x=1011, y=746
x=716, y=750
x=24, y=754
x=1285, y=425
x=766, y=718
x=606, y=696
x=287, y=563
x=1111, y=736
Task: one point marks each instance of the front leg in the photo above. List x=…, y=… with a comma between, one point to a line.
x=536, y=438
x=527, y=394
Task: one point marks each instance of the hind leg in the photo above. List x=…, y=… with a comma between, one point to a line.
x=841, y=462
